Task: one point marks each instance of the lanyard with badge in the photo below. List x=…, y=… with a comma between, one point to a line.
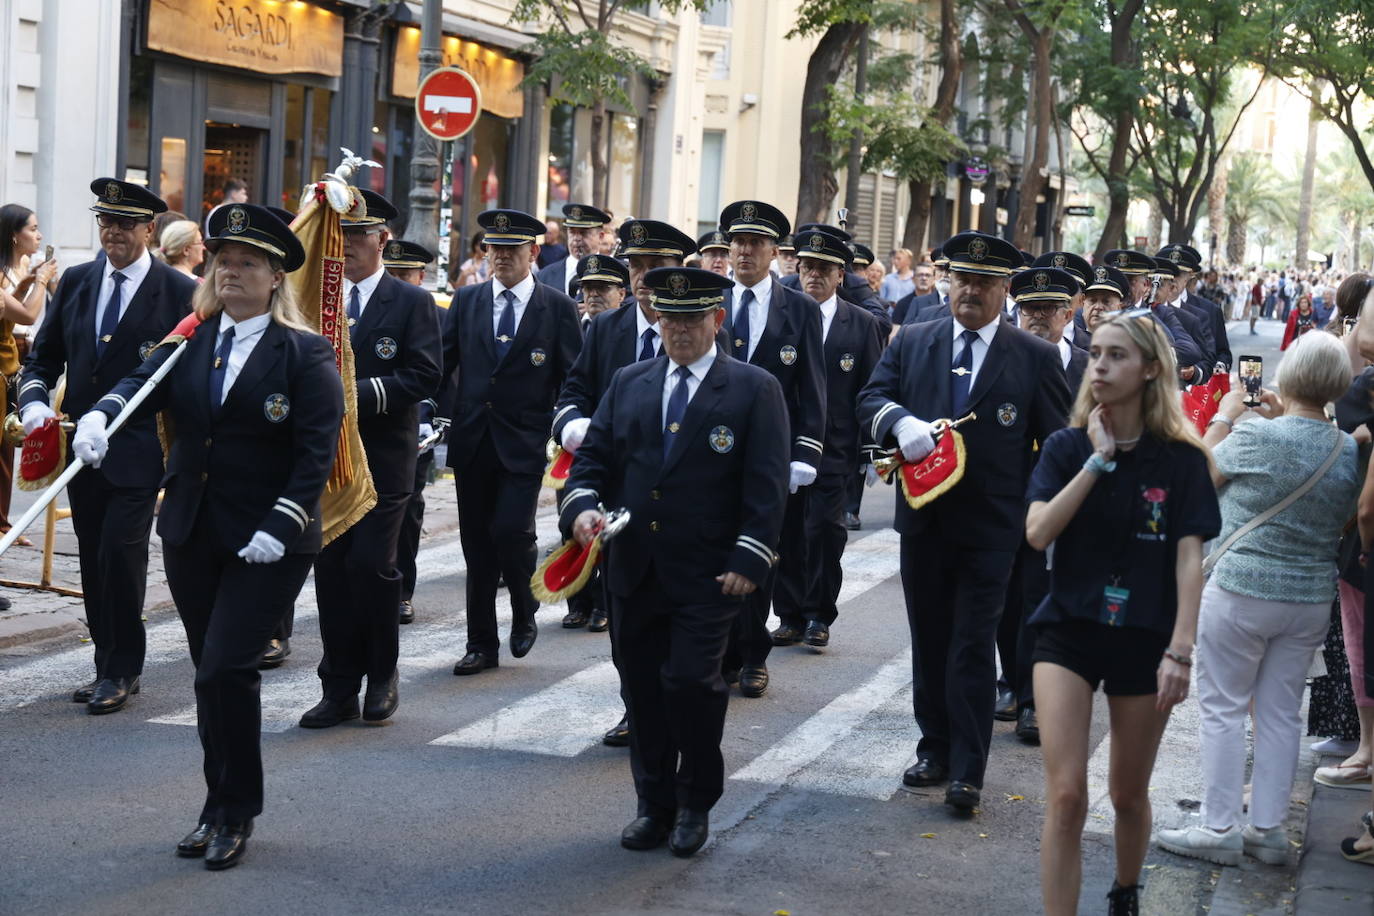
x=1116, y=598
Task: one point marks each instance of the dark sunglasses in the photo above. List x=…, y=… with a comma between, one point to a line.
x=127, y=223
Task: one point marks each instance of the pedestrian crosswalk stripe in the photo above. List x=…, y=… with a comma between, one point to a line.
x=1177, y=775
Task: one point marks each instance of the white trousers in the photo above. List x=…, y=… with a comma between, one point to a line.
x=1252, y=648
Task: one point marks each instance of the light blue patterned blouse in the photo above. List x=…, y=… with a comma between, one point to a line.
x=1291, y=557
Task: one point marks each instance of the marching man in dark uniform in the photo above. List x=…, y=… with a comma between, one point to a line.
x=105, y=317
x=1138, y=268
x=957, y=552
x=508, y=345
x=582, y=225
x=1209, y=315
x=695, y=446
x=256, y=404
x=777, y=329
x=715, y=252
x=394, y=332
x=406, y=262
x=808, y=587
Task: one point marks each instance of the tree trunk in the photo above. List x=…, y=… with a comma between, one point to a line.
x=1216, y=210
x=1356, y=241
x=1155, y=228
x=1235, y=242
x=1309, y=174
x=818, y=186
x=1118, y=184
x=1040, y=122
x=600, y=174
x=946, y=94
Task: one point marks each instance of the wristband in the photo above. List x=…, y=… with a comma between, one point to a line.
x=1219, y=418
x=1183, y=660
x=1096, y=464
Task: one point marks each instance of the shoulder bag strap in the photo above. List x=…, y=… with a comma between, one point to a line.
x=1267, y=514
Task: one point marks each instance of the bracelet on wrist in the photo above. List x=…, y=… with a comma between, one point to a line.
x=1223, y=419
x=1096, y=464
x=1184, y=660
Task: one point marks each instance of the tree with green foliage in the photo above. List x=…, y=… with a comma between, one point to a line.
x=1252, y=193
x=582, y=64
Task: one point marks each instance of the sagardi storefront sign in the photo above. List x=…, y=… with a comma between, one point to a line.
x=269, y=36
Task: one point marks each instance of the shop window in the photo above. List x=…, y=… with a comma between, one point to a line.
x=173, y=178
x=321, y=100
x=708, y=188
x=624, y=165
x=294, y=146
x=561, y=121
x=138, y=149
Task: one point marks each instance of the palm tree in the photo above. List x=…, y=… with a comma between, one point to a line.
x=1344, y=192
x=1252, y=193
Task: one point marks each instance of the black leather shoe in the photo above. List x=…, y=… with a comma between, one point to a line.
x=851, y=521
x=1028, y=727
x=111, y=694
x=407, y=614
x=963, y=797
x=925, y=772
x=522, y=637
x=619, y=734
x=83, y=693
x=787, y=635
x=753, y=681
x=817, y=635
x=227, y=846
x=644, y=832
x=600, y=622
x=731, y=676
x=1005, y=710
x=380, y=702
x=194, y=844
x=277, y=651
x=690, y=830
x=475, y=663
x=328, y=713
x=574, y=620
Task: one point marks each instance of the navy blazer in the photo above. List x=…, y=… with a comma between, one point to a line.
x=262, y=463
x=1073, y=373
x=852, y=349
x=933, y=312
x=909, y=307
x=555, y=275
x=396, y=361
x=1020, y=397
x=790, y=348
x=1187, y=351
x=510, y=399
x=855, y=290
x=1211, y=315
x=66, y=342
x=713, y=505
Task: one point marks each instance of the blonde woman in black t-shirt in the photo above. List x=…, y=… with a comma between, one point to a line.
x=1125, y=496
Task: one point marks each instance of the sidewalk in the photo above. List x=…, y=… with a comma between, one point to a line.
x=1328, y=885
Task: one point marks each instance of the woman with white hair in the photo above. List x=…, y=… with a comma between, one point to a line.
x=1288, y=485
x=182, y=246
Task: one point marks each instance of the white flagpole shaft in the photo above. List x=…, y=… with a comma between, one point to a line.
x=77, y=464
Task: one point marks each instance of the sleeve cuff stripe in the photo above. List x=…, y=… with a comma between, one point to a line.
x=766, y=557
x=562, y=410
x=34, y=383
x=747, y=540
x=293, y=509
x=293, y=515
x=878, y=418
x=380, y=389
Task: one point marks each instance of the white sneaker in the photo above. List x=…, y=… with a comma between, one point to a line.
x=1336, y=747
x=1203, y=843
x=1269, y=846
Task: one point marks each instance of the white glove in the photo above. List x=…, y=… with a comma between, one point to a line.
x=35, y=415
x=800, y=474
x=91, y=441
x=871, y=476
x=263, y=549
x=426, y=430
x=574, y=431
x=914, y=438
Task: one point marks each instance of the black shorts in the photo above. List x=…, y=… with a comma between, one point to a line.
x=1124, y=660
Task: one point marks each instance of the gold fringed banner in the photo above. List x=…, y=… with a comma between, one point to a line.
x=566, y=571
x=349, y=494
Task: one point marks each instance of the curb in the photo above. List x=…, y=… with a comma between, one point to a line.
x=1327, y=884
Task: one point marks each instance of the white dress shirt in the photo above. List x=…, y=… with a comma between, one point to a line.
x=569, y=271
x=642, y=325
x=980, y=346
x=828, y=309
x=366, y=287
x=1065, y=352
x=758, y=310
x=698, y=372
x=134, y=275
x=247, y=333
x=523, y=291
x=1070, y=330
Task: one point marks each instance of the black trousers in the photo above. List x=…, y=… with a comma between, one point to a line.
x=358, y=591
x=954, y=598
x=230, y=609
x=670, y=661
x=809, y=589
x=496, y=528
x=112, y=529
x=408, y=544
x=1035, y=585
x=592, y=597
x=854, y=492
x=750, y=640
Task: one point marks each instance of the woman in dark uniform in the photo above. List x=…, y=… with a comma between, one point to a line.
x=255, y=404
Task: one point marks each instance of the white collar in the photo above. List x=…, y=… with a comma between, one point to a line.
x=135, y=272
x=762, y=289
x=698, y=368
x=642, y=323
x=830, y=306
x=248, y=327
x=366, y=286
x=523, y=290
x=986, y=332
x=1065, y=352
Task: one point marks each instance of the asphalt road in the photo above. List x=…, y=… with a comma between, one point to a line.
x=493, y=794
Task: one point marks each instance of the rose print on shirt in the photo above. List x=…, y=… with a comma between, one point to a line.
x=1156, y=516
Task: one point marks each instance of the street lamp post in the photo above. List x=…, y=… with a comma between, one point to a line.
x=423, y=226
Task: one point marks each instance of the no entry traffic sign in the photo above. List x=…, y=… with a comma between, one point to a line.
x=448, y=103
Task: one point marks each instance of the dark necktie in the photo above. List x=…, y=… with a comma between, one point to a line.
x=219, y=369
x=355, y=307
x=677, y=409
x=109, y=318
x=646, y=347
x=963, y=375
x=505, y=328
x=741, y=326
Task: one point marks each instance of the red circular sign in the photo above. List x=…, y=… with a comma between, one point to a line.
x=448, y=103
